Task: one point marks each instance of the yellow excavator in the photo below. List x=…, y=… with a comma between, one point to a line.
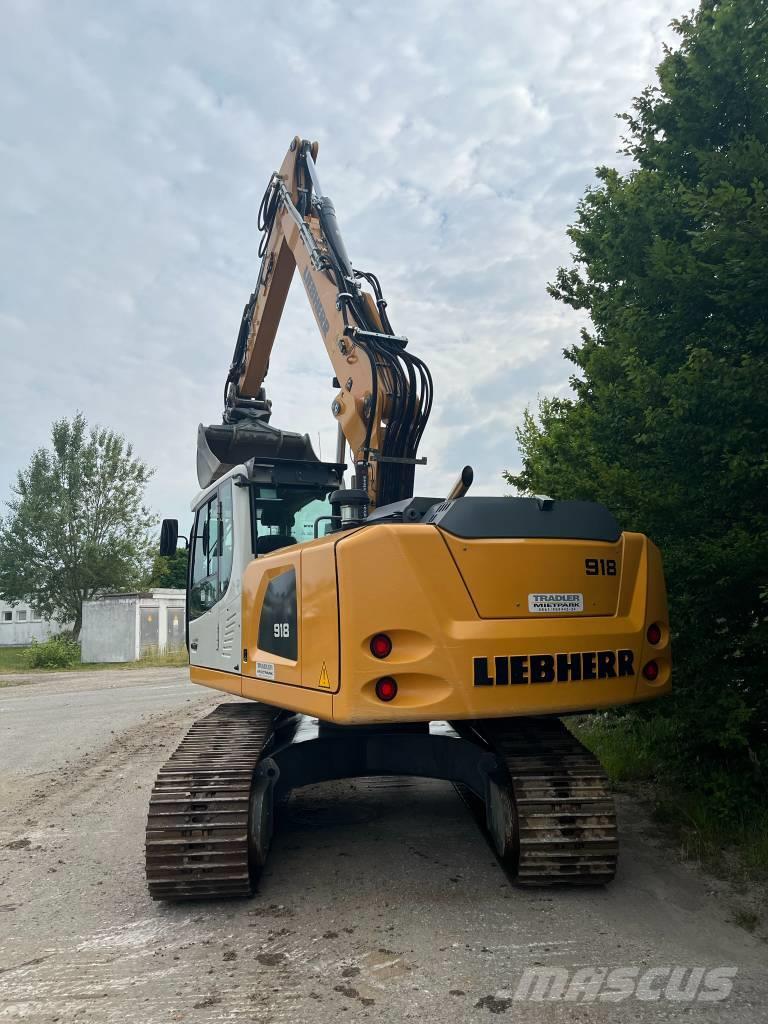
x=374, y=632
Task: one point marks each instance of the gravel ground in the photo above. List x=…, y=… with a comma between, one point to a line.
x=381, y=900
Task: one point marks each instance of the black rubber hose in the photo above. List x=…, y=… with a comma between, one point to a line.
x=267, y=213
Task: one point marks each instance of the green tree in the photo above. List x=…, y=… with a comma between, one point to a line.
x=76, y=525
x=170, y=571
x=668, y=424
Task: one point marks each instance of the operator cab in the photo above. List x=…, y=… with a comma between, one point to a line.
x=288, y=501
x=275, y=497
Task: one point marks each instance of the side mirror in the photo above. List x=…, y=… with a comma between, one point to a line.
x=169, y=537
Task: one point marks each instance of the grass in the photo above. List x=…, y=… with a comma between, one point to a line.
x=628, y=748
x=12, y=659
x=171, y=659
x=13, y=662
x=631, y=750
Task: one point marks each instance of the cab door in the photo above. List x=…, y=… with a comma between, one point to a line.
x=204, y=585
x=214, y=607
x=229, y=583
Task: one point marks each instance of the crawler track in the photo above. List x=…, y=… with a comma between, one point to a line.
x=565, y=817
x=198, y=828
x=206, y=836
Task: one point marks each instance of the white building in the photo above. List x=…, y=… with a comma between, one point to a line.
x=123, y=627
x=20, y=624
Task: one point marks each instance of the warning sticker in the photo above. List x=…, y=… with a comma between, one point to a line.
x=324, y=681
x=560, y=604
x=265, y=670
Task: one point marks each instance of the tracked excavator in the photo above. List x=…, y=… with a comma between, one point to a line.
x=371, y=631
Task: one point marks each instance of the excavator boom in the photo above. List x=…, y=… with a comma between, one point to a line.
x=385, y=392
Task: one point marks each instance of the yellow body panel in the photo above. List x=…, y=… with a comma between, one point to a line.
x=317, y=665
x=256, y=578
x=319, y=630
x=294, y=698
x=421, y=597
x=426, y=590
x=229, y=682
x=500, y=575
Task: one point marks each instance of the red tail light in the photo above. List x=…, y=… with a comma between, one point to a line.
x=654, y=633
x=381, y=646
x=651, y=670
x=386, y=688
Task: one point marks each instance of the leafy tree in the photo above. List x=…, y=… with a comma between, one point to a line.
x=170, y=571
x=76, y=525
x=669, y=420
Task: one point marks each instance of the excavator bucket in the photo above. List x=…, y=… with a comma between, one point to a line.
x=223, y=446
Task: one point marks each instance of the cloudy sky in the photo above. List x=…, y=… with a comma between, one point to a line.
x=136, y=140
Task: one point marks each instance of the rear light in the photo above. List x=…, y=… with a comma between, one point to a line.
x=381, y=646
x=654, y=633
x=386, y=688
x=651, y=670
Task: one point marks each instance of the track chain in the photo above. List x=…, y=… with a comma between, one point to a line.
x=198, y=827
x=565, y=814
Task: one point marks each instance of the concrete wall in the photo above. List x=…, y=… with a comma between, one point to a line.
x=123, y=627
x=109, y=630
x=20, y=624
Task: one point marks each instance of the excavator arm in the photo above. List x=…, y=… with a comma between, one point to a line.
x=385, y=392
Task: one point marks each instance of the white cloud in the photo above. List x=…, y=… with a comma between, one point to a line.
x=455, y=141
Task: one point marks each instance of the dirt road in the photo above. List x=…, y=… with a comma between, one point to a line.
x=381, y=901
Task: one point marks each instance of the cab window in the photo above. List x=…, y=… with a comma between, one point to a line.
x=281, y=522
x=226, y=538
x=306, y=517
x=203, y=592
x=213, y=541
